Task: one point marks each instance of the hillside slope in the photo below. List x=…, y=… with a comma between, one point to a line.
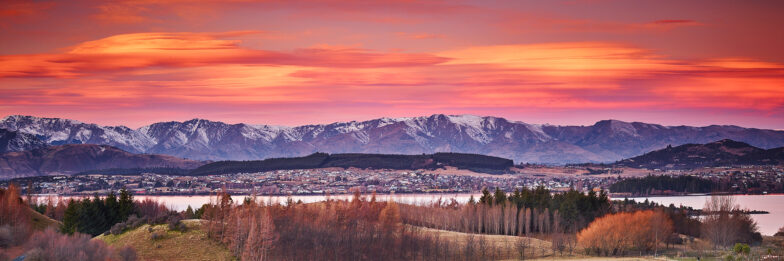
x=720, y=153
x=190, y=245
x=67, y=159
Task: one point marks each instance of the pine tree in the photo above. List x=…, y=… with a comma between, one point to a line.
x=112, y=208
x=71, y=217
x=125, y=204
x=189, y=213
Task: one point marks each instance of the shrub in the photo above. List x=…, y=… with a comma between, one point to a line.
x=126, y=254
x=150, y=208
x=117, y=229
x=614, y=234
x=780, y=233
x=6, y=236
x=51, y=245
x=740, y=248
x=157, y=235
x=182, y=227
x=174, y=222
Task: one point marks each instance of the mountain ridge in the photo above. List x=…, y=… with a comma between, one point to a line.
x=606, y=141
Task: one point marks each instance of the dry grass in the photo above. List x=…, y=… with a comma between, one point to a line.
x=505, y=245
x=190, y=245
x=41, y=222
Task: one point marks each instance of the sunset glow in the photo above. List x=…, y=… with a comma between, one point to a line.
x=321, y=61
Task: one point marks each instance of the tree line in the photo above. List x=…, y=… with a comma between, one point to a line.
x=359, y=229
x=652, y=185
x=522, y=212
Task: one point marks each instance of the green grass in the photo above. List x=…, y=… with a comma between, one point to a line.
x=190, y=245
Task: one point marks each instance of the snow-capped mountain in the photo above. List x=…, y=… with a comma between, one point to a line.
x=57, y=131
x=605, y=141
x=15, y=141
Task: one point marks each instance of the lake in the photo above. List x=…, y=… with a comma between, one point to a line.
x=768, y=223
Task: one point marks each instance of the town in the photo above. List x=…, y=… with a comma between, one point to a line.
x=742, y=179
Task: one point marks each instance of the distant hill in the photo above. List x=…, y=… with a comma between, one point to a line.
x=720, y=153
x=605, y=141
x=69, y=159
x=480, y=163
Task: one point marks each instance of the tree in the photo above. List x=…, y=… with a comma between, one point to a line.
x=486, y=198
x=261, y=237
x=112, y=208
x=125, y=204
x=189, y=214
x=71, y=217
x=390, y=217
x=725, y=223
x=614, y=234
x=15, y=224
x=521, y=244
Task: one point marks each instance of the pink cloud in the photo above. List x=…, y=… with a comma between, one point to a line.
x=142, y=50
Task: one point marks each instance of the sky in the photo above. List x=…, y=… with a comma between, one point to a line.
x=294, y=62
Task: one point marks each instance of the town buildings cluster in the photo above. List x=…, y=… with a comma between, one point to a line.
x=751, y=179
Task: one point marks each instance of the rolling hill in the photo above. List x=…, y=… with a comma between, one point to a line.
x=475, y=162
x=720, y=153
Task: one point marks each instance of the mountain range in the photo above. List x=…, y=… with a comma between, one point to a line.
x=720, y=153
x=198, y=139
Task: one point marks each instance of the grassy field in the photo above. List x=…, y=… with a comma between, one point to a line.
x=504, y=247
x=174, y=245
x=194, y=245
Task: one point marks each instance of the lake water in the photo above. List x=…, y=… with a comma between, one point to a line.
x=768, y=223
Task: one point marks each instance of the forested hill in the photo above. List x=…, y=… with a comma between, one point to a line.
x=479, y=163
x=714, y=154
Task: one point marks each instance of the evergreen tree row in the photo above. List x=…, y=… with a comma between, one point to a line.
x=650, y=184
x=95, y=216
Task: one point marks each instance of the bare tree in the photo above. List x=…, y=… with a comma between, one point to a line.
x=483, y=246
x=521, y=244
x=469, y=250
x=717, y=225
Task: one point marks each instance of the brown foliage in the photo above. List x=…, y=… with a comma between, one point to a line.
x=331, y=230
x=150, y=208
x=50, y=245
x=15, y=225
x=614, y=234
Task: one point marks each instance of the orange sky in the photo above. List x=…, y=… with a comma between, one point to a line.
x=318, y=61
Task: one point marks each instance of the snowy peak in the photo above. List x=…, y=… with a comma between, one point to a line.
x=618, y=127
x=15, y=141
x=57, y=131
